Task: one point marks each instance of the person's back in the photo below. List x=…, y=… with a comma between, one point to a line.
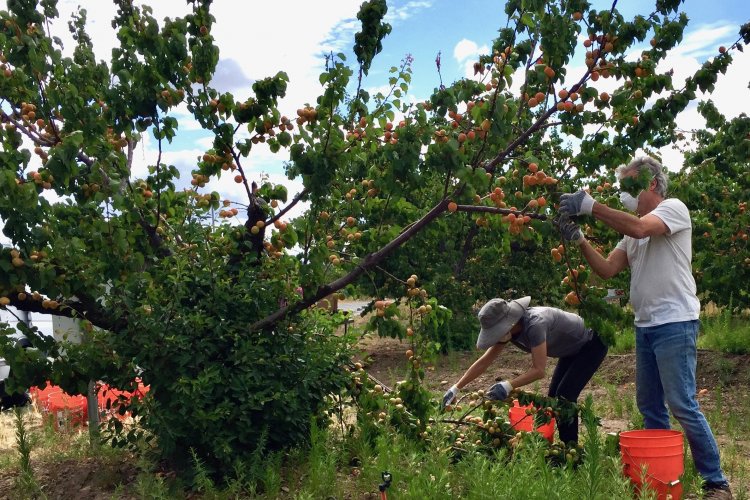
x=563, y=332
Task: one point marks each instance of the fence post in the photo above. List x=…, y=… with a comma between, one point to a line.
x=93, y=410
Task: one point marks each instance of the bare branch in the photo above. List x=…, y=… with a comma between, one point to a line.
x=289, y=206
x=367, y=263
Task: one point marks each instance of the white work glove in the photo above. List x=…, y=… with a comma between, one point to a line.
x=576, y=203
x=449, y=397
x=499, y=391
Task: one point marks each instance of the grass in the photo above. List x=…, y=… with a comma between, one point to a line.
x=725, y=332
x=722, y=332
x=342, y=464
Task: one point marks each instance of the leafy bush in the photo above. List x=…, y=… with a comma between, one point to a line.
x=216, y=388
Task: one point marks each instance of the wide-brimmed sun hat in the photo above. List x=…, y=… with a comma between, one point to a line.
x=497, y=317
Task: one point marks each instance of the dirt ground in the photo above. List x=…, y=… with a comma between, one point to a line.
x=95, y=479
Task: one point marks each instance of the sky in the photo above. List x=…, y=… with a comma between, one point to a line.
x=257, y=39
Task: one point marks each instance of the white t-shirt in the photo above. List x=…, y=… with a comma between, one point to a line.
x=662, y=287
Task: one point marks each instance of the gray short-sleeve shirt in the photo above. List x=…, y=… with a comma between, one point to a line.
x=564, y=332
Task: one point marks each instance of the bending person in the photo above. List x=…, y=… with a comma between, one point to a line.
x=543, y=332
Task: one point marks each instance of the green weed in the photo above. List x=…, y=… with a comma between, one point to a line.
x=726, y=333
x=624, y=342
x=26, y=481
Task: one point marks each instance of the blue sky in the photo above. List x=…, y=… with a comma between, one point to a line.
x=440, y=25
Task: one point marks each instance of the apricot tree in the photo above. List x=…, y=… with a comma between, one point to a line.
x=209, y=314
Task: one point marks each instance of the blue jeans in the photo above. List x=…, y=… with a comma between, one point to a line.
x=666, y=356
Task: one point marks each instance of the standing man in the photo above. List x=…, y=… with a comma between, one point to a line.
x=657, y=247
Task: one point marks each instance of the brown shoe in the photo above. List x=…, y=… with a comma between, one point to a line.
x=712, y=491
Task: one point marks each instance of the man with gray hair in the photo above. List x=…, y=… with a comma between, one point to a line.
x=657, y=247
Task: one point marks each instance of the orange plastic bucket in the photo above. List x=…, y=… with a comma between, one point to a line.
x=520, y=421
x=650, y=437
x=67, y=410
x=655, y=455
x=40, y=395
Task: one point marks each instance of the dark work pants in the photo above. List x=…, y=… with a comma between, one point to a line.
x=571, y=376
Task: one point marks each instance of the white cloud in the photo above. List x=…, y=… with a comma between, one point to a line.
x=465, y=49
x=705, y=40
x=383, y=89
x=731, y=95
x=279, y=41
x=396, y=14
x=230, y=77
x=467, y=52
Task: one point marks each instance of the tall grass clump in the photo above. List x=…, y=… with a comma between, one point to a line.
x=26, y=482
x=726, y=332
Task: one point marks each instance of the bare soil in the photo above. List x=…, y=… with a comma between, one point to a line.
x=95, y=479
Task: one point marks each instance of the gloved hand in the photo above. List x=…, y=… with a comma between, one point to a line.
x=576, y=203
x=449, y=397
x=499, y=391
x=570, y=231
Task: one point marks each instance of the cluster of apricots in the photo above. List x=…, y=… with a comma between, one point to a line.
x=267, y=128
x=257, y=226
x=202, y=200
x=275, y=246
x=226, y=161
x=557, y=253
x=43, y=179
x=199, y=180
x=227, y=212
x=35, y=296
x=141, y=186
x=571, y=280
x=380, y=306
x=412, y=290
x=116, y=140
x=538, y=178
x=516, y=222
x=172, y=97
x=306, y=114
x=497, y=196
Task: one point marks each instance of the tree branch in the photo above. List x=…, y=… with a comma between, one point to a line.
x=80, y=309
x=468, y=246
x=367, y=263
x=289, y=206
x=496, y=210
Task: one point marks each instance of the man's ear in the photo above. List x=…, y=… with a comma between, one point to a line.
x=652, y=185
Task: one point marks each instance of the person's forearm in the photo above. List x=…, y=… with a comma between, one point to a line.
x=530, y=376
x=601, y=266
x=475, y=370
x=622, y=222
